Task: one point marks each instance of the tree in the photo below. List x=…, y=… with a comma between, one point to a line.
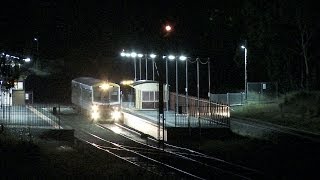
x=303, y=41
x=282, y=32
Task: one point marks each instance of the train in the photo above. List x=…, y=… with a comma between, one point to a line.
x=100, y=99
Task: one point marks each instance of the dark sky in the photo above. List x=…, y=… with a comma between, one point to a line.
x=70, y=24
x=88, y=35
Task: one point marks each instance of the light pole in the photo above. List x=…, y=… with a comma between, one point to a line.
x=146, y=67
x=140, y=56
x=170, y=57
x=37, y=61
x=152, y=57
x=182, y=58
x=245, y=71
x=209, y=86
x=187, y=103
x=134, y=55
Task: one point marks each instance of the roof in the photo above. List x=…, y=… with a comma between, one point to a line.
x=142, y=82
x=87, y=81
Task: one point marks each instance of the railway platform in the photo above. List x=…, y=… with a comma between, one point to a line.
x=175, y=124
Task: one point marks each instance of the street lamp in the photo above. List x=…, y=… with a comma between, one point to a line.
x=170, y=57
x=140, y=56
x=133, y=55
x=146, y=67
x=152, y=57
x=245, y=71
x=37, y=60
x=27, y=60
x=187, y=101
x=181, y=58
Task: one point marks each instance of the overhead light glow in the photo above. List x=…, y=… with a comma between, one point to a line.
x=126, y=82
x=122, y=54
x=171, y=57
x=153, y=56
x=182, y=58
x=140, y=55
x=27, y=59
x=133, y=54
x=243, y=47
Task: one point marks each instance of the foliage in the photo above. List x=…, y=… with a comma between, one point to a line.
x=297, y=110
x=279, y=35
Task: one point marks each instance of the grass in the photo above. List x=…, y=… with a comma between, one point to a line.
x=299, y=110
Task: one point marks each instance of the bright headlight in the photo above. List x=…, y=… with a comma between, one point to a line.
x=95, y=115
x=116, y=115
x=95, y=108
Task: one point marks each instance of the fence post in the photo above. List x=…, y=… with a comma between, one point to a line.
x=59, y=116
x=228, y=100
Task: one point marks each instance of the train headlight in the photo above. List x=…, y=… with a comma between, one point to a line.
x=116, y=115
x=95, y=115
x=94, y=108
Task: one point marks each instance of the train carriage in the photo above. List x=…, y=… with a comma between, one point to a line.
x=99, y=98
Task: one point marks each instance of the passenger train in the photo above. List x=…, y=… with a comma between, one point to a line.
x=99, y=98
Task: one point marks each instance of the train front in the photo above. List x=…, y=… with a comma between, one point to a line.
x=106, y=102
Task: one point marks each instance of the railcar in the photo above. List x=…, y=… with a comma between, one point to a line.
x=100, y=99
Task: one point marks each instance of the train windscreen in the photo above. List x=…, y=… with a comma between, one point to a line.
x=110, y=95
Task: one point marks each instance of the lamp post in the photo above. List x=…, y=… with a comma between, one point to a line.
x=187, y=103
x=182, y=58
x=209, y=86
x=152, y=57
x=37, y=60
x=245, y=71
x=170, y=57
x=140, y=56
x=146, y=67
x=134, y=55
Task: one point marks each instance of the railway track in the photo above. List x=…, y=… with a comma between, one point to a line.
x=138, y=156
x=169, y=162
x=173, y=161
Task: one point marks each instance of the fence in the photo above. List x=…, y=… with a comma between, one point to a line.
x=34, y=116
x=262, y=92
x=231, y=99
x=199, y=112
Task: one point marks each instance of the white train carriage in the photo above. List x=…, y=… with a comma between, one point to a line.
x=99, y=98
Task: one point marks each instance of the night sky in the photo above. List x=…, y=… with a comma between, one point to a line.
x=84, y=38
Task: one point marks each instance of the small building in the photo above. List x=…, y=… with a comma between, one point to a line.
x=147, y=94
x=13, y=96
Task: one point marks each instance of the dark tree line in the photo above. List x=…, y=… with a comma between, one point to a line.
x=282, y=38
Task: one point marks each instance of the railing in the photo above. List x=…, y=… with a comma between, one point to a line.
x=31, y=115
x=204, y=114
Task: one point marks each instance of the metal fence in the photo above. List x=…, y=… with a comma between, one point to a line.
x=262, y=92
x=199, y=112
x=231, y=99
x=30, y=115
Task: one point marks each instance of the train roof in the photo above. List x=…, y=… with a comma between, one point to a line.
x=91, y=81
